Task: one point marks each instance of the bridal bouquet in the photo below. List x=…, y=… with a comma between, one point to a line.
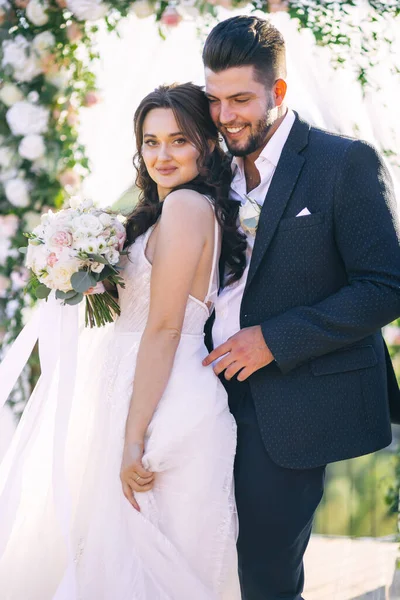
x=72, y=252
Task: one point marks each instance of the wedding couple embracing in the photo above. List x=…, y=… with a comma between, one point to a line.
x=195, y=473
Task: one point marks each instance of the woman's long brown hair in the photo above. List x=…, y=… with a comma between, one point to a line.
x=190, y=107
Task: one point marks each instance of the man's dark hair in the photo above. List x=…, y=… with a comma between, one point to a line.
x=246, y=40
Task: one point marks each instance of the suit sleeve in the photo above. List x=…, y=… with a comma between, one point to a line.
x=368, y=239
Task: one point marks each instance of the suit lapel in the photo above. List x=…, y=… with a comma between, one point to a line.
x=283, y=182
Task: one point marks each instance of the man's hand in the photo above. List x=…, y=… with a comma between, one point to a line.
x=246, y=351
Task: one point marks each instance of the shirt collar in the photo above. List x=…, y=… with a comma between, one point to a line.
x=272, y=150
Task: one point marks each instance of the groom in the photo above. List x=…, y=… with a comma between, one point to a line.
x=298, y=337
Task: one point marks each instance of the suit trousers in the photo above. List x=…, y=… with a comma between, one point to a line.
x=275, y=506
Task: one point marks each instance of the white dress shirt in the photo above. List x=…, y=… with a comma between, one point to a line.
x=227, y=305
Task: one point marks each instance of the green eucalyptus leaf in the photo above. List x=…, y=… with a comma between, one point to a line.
x=82, y=281
x=98, y=258
x=42, y=291
x=65, y=295
x=74, y=300
x=106, y=272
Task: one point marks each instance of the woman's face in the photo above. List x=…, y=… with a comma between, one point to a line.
x=170, y=158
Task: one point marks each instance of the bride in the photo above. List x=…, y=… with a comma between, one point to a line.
x=146, y=509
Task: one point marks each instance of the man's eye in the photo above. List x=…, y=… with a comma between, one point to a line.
x=212, y=100
x=242, y=100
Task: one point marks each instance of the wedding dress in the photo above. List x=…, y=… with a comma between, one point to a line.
x=66, y=530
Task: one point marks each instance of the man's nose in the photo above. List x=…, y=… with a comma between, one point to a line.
x=226, y=115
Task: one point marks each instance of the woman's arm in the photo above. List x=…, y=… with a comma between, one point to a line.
x=184, y=228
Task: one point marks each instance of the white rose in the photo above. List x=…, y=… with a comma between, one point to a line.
x=44, y=164
x=60, y=275
x=17, y=192
x=32, y=147
x=112, y=256
x=17, y=54
x=88, y=224
x=64, y=217
x=10, y=94
x=11, y=308
x=36, y=12
x=36, y=257
x=97, y=267
x=25, y=118
x=86, y=204
x=4, y=249
x=43, y=42
x=32, y=220
x=105, y=219
x=33, y=97
x=45, y=218
x=142, y=9
x=60, y=78
x=74, y=202
x=8, y=174
x=88, y=10
x=4, y=285
x=6, y=157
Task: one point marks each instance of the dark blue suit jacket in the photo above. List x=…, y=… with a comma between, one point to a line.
x=322, y=286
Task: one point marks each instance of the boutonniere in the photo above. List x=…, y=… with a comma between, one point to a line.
x=249, y=215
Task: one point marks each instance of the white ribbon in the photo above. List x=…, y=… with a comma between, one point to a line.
x=56, y=328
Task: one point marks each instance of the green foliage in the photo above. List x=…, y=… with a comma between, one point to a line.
x=354, y=502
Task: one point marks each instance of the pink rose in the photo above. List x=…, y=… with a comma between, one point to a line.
x=121, y=235
x=171, y=17
x=19, y=278
x=69, y=178
x=4, y=285
x=72, y=117
x=52, y=259
x=91, y=99
x=74, y=32
x=9, y=225
x=278, y=6
x=61, y=238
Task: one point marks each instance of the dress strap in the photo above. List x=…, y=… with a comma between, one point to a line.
x=213, y=285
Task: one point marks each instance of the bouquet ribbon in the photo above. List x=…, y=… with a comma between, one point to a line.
x=56, y=328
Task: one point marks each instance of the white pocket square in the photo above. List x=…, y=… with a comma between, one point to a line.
x=303, y=213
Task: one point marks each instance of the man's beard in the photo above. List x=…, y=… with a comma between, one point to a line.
x=257, y=139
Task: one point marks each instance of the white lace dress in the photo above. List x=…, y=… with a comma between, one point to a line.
x=182, y=545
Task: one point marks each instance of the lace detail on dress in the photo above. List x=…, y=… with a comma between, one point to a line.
x=135, y=297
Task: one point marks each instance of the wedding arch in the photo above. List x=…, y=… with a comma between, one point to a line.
x=47, y=50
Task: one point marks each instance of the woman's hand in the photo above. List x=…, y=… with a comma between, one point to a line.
x=133, y=475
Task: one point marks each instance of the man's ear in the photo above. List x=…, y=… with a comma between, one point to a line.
x=279, y=91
